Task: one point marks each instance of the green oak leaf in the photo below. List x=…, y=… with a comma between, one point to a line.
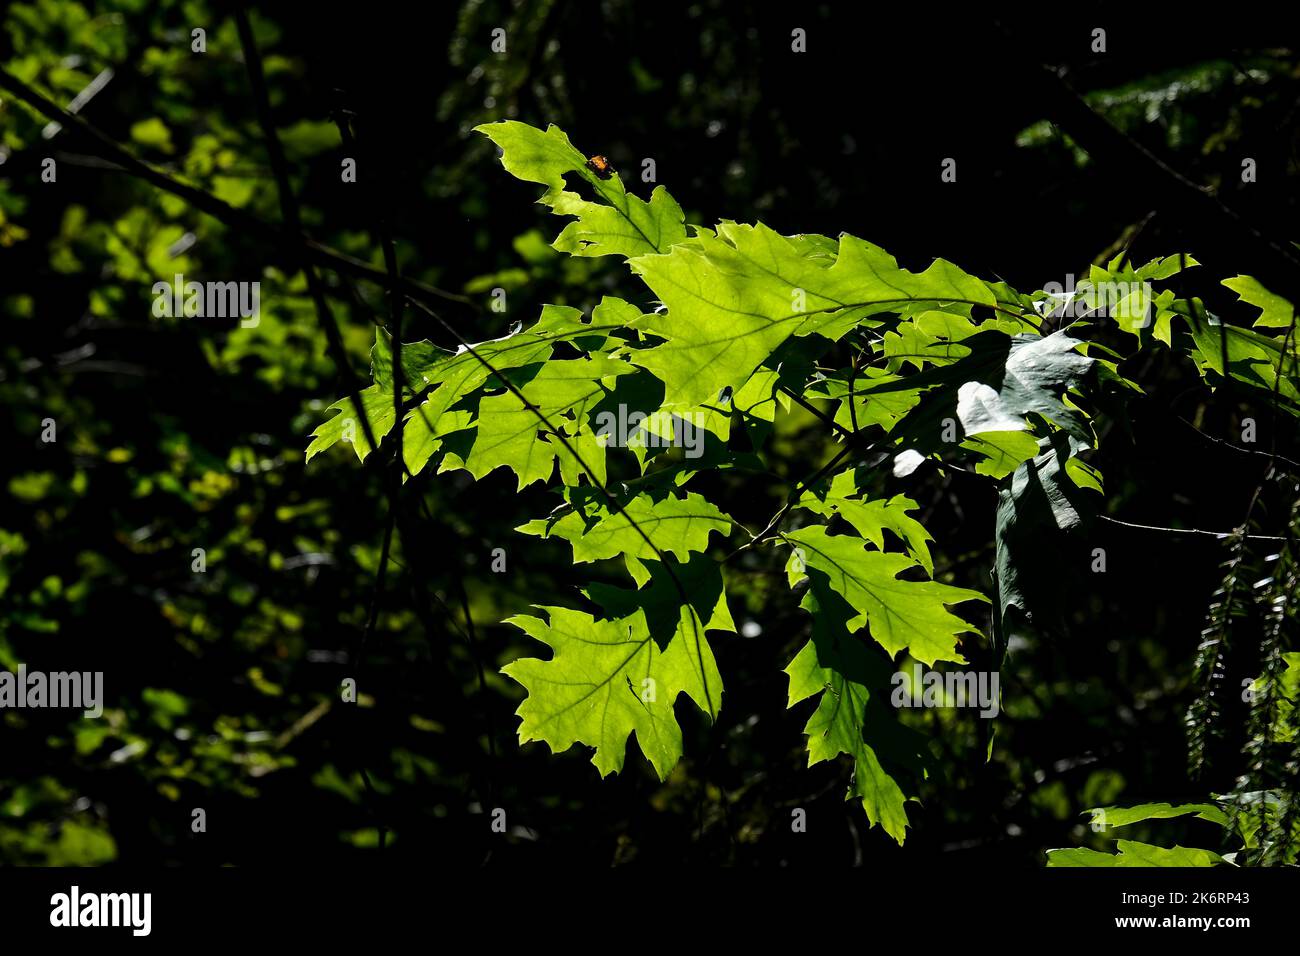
x=423, y=434
x=900, y=614
x=1080, y=472
x=1275, y=311
x=1261, y=361
x=878, y=397
x=836, y=727
x=935, y=337
x=448, y=377
x=659, y=589
x=417, y=357
x=377, y=407
x=610, y=678
x=871, y=518
x=1120, y=292
x=1134, y=854
x=464, y=370
x=626, y=227
x=1001, y=452
x=620, y=224
x=853, y=716
x=521, y=433
x=1167, y=267
x=674, y=525
x=733, y=298
x=1124, y=816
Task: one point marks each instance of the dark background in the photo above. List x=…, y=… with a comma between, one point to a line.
x=175, y=435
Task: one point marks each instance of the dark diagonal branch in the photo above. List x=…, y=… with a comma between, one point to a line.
x=1137, y=170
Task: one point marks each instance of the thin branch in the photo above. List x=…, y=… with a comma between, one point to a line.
x=1218, y=535
x=790, y=500
x=1237, y=448
x=814, y=410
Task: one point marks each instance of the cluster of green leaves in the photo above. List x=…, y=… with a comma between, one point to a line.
x=740, y=324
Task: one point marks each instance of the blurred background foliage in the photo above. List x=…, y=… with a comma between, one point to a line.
x=178, y=434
